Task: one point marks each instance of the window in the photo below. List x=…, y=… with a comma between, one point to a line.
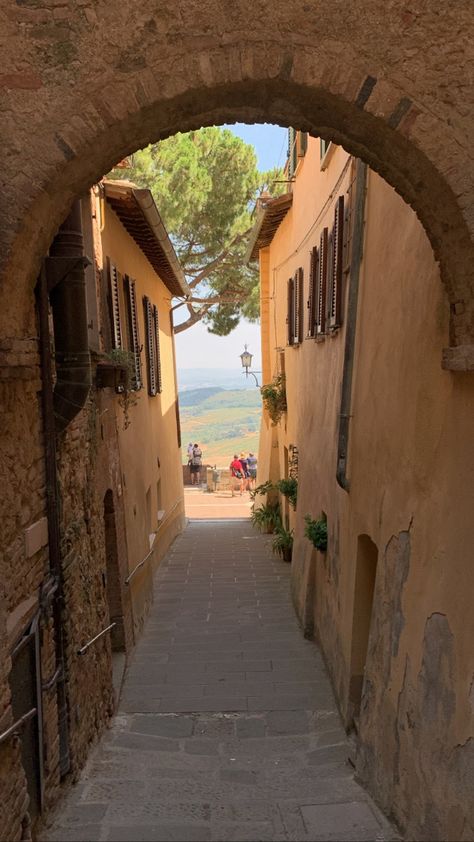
x=133, y=337
x=297, y=146
x=335, y=253
x=321, y=284
x=313, y=290
x=152, y=347
x=326, y=274
x=324, y=146
x=114, y=305
x=295, y=307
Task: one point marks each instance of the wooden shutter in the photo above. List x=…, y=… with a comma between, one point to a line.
x=292, y=152
x=335, y=303
x=321, y=283
x=299, y=299
x=156, y=336
x=313, y=290
x=133, y=331
x=178, y=421
x=303, y=143
x=116, y=326
x=290, y=318
x=150, y=345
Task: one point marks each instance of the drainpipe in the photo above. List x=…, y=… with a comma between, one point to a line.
x=67, y=289
x=62, y=283
x=356, y=259
x=52, y=512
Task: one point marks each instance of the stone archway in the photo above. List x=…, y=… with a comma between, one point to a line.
x=84, y=88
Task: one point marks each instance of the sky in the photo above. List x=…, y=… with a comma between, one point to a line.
x=195, y=347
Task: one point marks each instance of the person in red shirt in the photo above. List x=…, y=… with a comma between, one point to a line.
x=237, y=473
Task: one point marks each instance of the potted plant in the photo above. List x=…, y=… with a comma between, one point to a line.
x=274, y=398
x=289, y=488
x=282, y=543
x=266, y=517
x=317, y=532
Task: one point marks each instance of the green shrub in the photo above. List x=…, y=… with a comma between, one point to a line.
x=266, y=517
x=317, y=532
x=282, y=543
x=289, y=489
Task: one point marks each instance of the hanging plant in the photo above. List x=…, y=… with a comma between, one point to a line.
x=128, y=396
x=317, y=532
x=274, y=398
x=289, y=489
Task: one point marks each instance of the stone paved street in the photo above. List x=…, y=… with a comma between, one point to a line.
x=227, y=727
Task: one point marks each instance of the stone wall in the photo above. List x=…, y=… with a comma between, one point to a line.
x=81, y=89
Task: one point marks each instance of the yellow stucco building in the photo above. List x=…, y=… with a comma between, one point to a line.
x=140, y=275
x=379, y=436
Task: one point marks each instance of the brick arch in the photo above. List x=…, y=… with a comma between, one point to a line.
x=100, y=89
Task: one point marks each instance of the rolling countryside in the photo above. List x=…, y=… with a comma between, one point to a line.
x=223, y=421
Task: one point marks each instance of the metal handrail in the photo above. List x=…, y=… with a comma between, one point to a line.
x=90, y=642
x=13, y=729
x=142, y=562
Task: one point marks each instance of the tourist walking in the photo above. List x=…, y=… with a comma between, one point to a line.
x=196, y=464
x=246, y=472
x=252, y=466
x=237, y=473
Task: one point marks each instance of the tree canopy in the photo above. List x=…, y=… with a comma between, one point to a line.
x=205, y=184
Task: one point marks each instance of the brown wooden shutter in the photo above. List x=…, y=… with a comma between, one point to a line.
x=117, y=341
x=133, y=330
x=310, y=303
x=296, y=303
x=299, y=309
x=335, y=311
x=290, y=319
x=150, y=345
x=178, y=421
x=322, y=280
x=157, y=349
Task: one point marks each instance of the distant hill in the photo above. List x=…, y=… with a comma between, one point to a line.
x=223, y=421
x=224, y=378
x=193, y=397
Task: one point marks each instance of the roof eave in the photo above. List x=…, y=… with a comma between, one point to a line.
x=121, y=191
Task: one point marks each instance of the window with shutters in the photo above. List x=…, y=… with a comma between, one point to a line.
x=133, y=336
x=295, y=314
x=159, y=385
x=297, y=146
x=321, y=284
x=313, y=291
x=335, y=272
x=327, y=148
x=152, y=346
x=114, y=305
x=290, y=318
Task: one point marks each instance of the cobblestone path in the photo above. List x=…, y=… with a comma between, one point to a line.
x=227, y=727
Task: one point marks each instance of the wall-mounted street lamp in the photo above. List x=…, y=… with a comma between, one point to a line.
x=246, y=359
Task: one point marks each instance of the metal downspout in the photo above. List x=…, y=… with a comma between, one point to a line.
x=356, y=259
x=62, y=283
x=67, y=287
x=52, y=511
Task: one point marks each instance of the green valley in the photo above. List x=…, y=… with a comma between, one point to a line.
x=223, y=421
